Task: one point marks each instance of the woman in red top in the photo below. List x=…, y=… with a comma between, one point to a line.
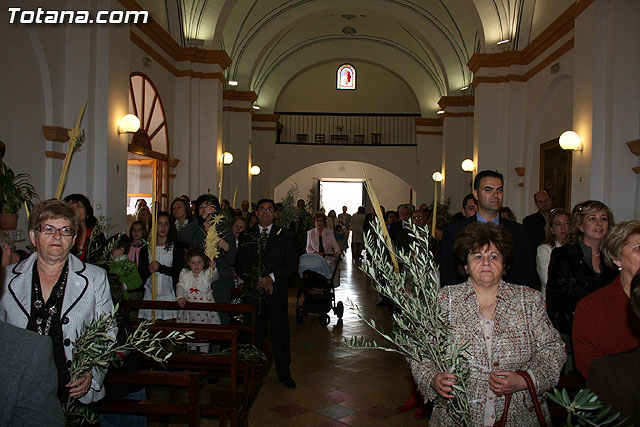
x=603, y=322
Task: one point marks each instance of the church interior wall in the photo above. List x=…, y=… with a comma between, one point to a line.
x=24, y=109
x=545, y=12
x=314, y=90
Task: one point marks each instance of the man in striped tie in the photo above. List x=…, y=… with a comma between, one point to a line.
x=267, y=258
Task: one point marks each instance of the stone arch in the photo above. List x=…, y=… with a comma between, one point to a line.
x=390, y=188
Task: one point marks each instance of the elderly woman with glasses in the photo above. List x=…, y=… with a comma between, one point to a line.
x=56, y=294
x=507, y=329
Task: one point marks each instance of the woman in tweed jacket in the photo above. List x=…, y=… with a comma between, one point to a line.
x=507, y=329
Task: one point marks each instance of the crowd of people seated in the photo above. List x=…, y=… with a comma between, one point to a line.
x=491, y=269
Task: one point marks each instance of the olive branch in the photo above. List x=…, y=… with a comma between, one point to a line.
x=96, y=347
x=421, y=333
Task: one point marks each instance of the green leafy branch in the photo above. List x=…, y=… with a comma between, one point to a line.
x=96, y=347
x=421, y=332
x=585, y=408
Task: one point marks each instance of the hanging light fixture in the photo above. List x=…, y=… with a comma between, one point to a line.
x=255, y=170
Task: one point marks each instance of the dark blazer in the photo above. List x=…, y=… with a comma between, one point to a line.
x=28, y=379
x=522, y=271
x=616, y=381
x=571, y=279
x=535, y=224
x=279, y=257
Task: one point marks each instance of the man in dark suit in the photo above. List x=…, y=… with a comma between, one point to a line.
x=266, y=261
x=487, y=189
x=536, y=222
x=404, y=213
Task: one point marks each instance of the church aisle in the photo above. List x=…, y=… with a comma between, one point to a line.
x=337, y=386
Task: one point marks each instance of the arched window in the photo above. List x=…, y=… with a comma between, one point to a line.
x=145, y=102
x=346, y=77
x=148, y=160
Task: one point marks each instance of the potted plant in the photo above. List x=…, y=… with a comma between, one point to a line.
x=15, y=191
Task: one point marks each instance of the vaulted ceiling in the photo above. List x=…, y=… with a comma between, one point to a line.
x=427, y=43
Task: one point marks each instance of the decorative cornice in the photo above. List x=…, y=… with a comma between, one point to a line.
x=464, y=114
x=424, y=121
x=237, y=109
x=55, y=133
x=155, y=32
x=272, y=129
x=137, y=40
x=566, y=47
x=266, y=118
x=547, y=38
x=54, y=155
x=456, y=101
x=634, y=146
x=426, y=132
x=238, y=95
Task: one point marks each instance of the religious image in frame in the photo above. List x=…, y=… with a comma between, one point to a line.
x=555, y=173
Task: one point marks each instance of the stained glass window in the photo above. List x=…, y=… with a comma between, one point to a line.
x=346, y=78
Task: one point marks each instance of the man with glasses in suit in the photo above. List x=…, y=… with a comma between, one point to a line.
x=266, y=261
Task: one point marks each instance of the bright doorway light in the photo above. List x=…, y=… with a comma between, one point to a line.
x=336, y=194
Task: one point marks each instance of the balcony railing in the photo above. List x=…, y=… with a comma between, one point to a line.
x=346, y=129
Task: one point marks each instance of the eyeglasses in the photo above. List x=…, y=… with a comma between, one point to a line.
x=265, y=209
x=51, y=230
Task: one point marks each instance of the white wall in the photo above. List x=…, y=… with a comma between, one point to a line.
x=314, y=90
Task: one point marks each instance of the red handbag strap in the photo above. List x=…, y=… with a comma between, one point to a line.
x=534, y=398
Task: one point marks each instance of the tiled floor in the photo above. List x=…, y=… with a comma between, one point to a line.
x=337, y=386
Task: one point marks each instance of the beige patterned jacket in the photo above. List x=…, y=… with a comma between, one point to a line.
x=523, y=338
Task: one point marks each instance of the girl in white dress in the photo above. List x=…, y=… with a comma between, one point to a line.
x=194, y=285
x=163, y=268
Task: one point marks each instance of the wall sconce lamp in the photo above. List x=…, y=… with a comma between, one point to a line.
x=437, y=177
x=468, y=165
x=129, y=124
x=226, y=158
x=255, y=170
x=570, y=141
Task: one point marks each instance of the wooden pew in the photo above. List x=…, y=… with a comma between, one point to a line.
x=188, y=406
x=229, y=404
x=249, y=310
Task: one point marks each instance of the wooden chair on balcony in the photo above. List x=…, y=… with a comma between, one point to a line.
x=358, y=139
x=376, y=138
x=319, y=138
x=301, y=138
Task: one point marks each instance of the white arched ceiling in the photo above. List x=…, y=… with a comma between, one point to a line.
x=428, y=42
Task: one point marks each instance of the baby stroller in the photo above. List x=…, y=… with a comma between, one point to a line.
x=318, y=289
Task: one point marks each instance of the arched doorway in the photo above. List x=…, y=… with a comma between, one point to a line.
x=390, y=189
